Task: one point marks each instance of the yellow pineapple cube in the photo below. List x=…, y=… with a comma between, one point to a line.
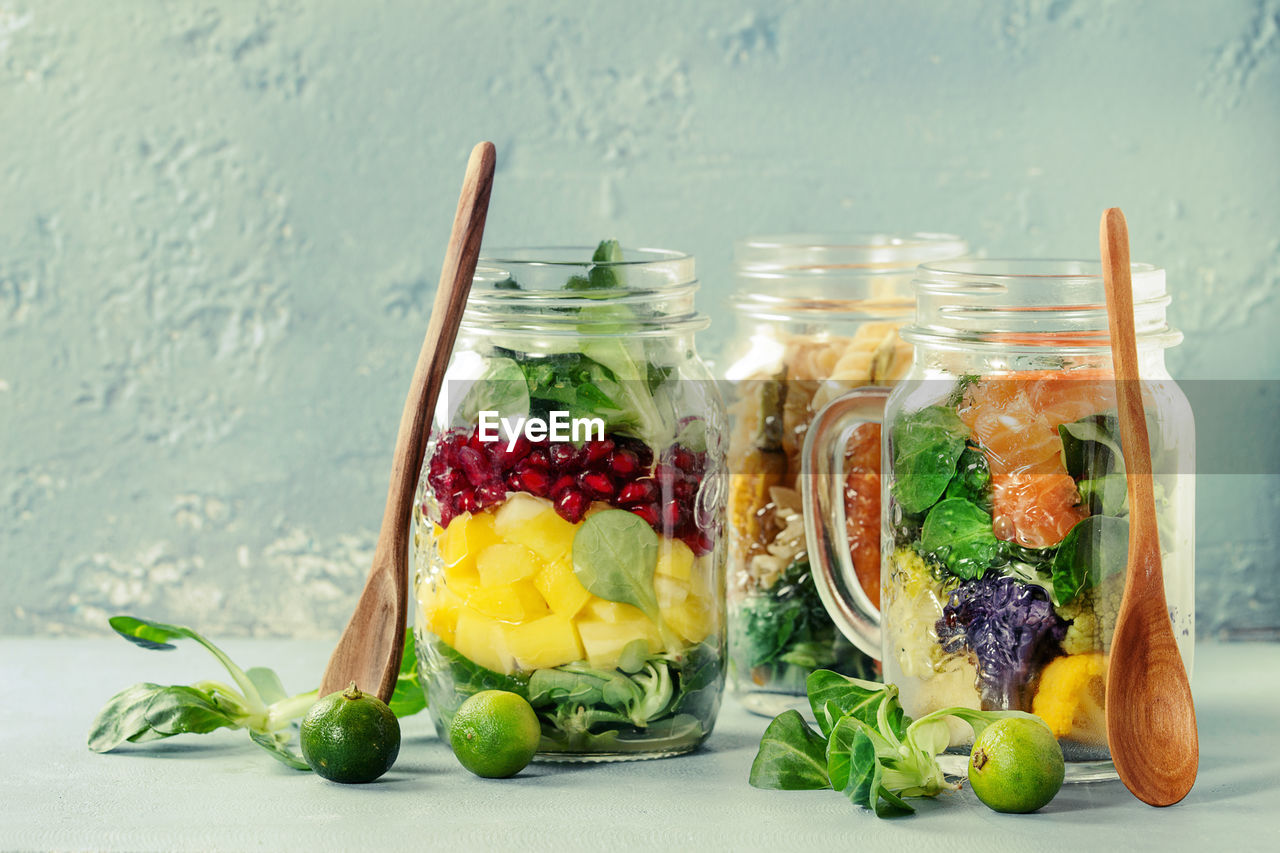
x=604, y=640
x=670, y=591
x=561, y=589
x=438, y=608
x=462, y=577
x=693, y=619
x=532, y=522
x=703, y=579
x=509, y=602
x=546, y=642
x=675, y=560
x=483, y=640
x=466, y=536
x=506, y=563
x=613, y=611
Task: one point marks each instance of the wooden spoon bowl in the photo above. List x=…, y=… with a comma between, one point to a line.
x=1151, y=720
x=372, y=644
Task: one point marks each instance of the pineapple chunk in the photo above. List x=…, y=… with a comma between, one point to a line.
x=462, y=577
x=604, y=641
x=675, y=560
x=438, y=610
x=546, y=642
x=483, y=640
x=466, y=536
x=509, y=602
x=563, y=592
x=670, y=591
x=532, y=522
x=505, y=563
x=702, y=578
x=693, y=619
x=613, y=611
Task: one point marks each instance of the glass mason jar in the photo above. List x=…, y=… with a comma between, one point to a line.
x=577, y=559
x=1005, y=531
x=817, y=315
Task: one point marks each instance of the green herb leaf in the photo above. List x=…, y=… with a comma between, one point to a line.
x=1105, y=495
x=1091, y=446
x=958, y=534
x=1095, y=548
x=615, y=553
x=149, y=635
x=833, y=696
x=181, y=710
x=267, y=682
x=277, y=745
x=972, y=479
x=123, y=718
x=409, y=698
x=791, y=757
x=926, y=446
x=501, y=388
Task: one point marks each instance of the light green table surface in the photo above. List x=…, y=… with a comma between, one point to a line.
x=219, y=792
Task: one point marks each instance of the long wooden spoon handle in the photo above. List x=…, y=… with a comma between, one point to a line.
x=371, y=646
x=1151, y=723
x=437, y=346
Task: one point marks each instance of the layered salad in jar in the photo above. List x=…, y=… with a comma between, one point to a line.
x=1009, y=542
x=780, y=630
x=579, y=569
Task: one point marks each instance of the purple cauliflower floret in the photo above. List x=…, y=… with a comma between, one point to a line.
x=1011, y=628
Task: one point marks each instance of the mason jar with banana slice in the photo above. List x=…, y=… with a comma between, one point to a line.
x=817, y=315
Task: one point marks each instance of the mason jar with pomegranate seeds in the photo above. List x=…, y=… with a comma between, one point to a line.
x=568, y=533
x=818, y=315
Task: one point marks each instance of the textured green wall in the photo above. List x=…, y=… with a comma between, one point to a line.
x=221, y=224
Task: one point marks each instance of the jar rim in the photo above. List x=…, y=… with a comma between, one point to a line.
x=1031, y=304
x=841, y=253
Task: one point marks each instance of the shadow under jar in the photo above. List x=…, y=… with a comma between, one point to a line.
x=817, y=315
x=1005, y=517
x=577, y=560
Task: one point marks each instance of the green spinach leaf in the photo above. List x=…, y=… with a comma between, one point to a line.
x=958, y=534
x=791, y=757
x=615, y=553
x=409, y=697
x=1091, y=446
x=833, y=696
x=277, y=745
x=972, y=480
x=1096, y=547
x=926, y=446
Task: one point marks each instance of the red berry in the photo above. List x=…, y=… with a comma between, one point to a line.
x=465, y=501
x=536, y=481
x=564, y=481
x=685, y=489
x=649, y=512
x=474, y=465
x=514, y=483
x=699, y=542
x=507, y=458
x=670, y=515
x=623, y=463
x=572, y=505
x=684, y=459
x=637, y=492
x=594, y=451
x=474, y=441
x=491, y=493
x=537, y=459
x=562, y=454
x=596, y=484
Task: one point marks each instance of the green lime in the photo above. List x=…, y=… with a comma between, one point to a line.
x=1016, y=765
x=495, y=734
x=350, y=736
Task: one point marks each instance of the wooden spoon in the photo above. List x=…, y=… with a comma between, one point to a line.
x=370, y=649
x=1151, y=721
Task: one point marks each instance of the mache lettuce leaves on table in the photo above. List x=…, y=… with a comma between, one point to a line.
x=868, y=749
x=257, y=702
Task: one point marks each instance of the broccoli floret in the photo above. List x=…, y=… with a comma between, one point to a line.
x=1011, y=627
